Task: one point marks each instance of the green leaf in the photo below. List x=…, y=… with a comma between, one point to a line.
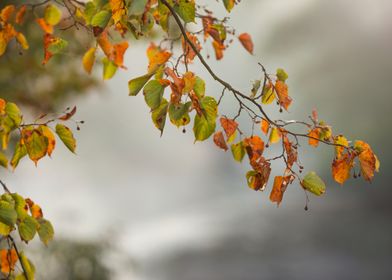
x=313, y=183
x=8, y=214
x=3, y=160
x=52, y=14
x=238, y=151
x=13, y=113
x=27, y=228
x=268, y=95
x=20, y=206
x=57, y=46
x=153, y=93
x=229, y=4
x=179, y=114
x=159, y=115
x=4, y=229
x=136, y=85
x=255, y=88
x=137, y=7
x=199, y=87
x=66, y=136
x=19, y=152
x=36, y=144
x=109, y=68
x=45, y=231
x=282, y=75
x=186, y=10
x=204, y=125
x=89, y=12
x=177, y=111
x=28, y=267
x=101, y=19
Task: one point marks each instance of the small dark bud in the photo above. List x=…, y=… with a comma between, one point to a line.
x=183, y=130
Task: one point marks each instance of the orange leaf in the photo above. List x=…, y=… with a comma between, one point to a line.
x=156, y=57
x=8, y=259
x=106, y=46
x=47, y=132
x=341, y=168
x=292, y=153
x=246, y=41
x=282, y=91
x=118, y=53
x=187, y=49
x=367, y=160
x=118, y=9
x=219, y=140
x=229, y=126
x=7, y=12
x=279, y=187
x=258, y=178
x=48, y=40
x=35, y=209
x=254, y=147
x=313, y=137
x=20, y=14
x=219, y=48
x=47, y=28
x=265, y=126
x=2, y=105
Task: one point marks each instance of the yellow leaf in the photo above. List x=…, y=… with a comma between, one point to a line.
x=47, y=132
x=274, y=135
x=22, y=40
x=89, y=59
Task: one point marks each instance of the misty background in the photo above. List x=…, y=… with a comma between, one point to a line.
x=149, y=207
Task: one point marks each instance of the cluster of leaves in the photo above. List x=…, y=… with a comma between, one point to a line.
x=112, y=23
x=36, y=140
x=23, y=216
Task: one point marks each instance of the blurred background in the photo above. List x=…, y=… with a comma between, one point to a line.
x=133, y=205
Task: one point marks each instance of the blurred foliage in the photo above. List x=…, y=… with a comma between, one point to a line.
x=73, y=260
x=25, y=81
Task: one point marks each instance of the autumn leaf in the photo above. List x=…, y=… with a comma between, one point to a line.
x=88, y=60
x=204, y=124
x=282, y=91
x=19, y=153
x=341, y=168
x=254, y=147
x=68, y=115
x=118, y=53
x=342, y=142
x=47, y=132
x=119, y=9
x=19, y=17
x=238, y=151
x=313, y=137
x=274, y=135
x=268, y=95
x=136, y=85
x=265, y=125
x=246, y=41
x=45, y=231
x=258, y=178
x=229, y=126
x=367, y=159
x=279, y=187
x=8, y=259
x=36, y=144
x=52, y=15
x=46, y=27
x=35, y=209
x=156, y=57
x=190, y=54
x=219, y=140
x=229, y=4
x=27, y=228
x=218, y=48
x=7, y=12
x=281, y=75
x=66, y=136
x=291, y=152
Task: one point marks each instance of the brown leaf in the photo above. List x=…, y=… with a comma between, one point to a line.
x=68, y=115
x=190, y=54
x=254, y=147
x=279, y=187
x=219, y=140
